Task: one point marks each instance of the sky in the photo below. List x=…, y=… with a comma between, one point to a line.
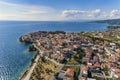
x=53, y=10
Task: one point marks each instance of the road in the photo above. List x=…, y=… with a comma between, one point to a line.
x=53, y=78
x=41, y=52
x=27, y=77
x=73, y=65
x=61, y=65
x=104, y=75
x=80, y=75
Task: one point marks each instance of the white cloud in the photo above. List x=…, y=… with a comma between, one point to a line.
x=114, y=13
x=12, y=11
x=34, y=12
x=95, y=13
x=6, y=3
x=92, y=14
x=73, y=14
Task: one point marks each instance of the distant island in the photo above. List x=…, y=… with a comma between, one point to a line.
x=109, y=21
x=113, y=26
x=113, y=23
x=73, y=56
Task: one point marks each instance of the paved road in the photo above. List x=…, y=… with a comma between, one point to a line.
x=80, y=75
x=27, y=77
x=73, y=65
x=41, y=52
x=60, y=68
x=61, y=65
x=104, y=75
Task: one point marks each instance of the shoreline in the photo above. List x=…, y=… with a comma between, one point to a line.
x=31, y=40
x=34, y=61
x=28, y=68
x=26, y=74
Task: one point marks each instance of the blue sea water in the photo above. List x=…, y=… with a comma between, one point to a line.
x=14, y=58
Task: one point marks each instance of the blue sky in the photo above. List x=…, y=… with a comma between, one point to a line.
x=46, y=10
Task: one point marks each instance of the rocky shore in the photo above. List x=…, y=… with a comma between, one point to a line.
x=37, y=63
x=32, y=37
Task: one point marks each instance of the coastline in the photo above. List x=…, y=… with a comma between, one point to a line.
x=22, y=77
x=30, y=68
x=22, y=59
x=34, y=61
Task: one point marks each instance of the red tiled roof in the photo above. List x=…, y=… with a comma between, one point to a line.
x=117, y=70
x=118, y=50
x=61, y=57
x=85, y=68
x=97, y=64
x=118, y=74
x=70, y=72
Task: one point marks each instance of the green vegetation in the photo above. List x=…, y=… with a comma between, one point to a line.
x=76, y=70
x=72, y=60
x=44, y=70
x=105, y=55
x=94, y=39
x=109, y=21
x=77, y=56
x=106, y=69
x=95, y=77
x=110, y=37
x=32, y=48
x=27, y=71
x=56, y=75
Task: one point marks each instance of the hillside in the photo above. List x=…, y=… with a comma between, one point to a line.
x=109, y=21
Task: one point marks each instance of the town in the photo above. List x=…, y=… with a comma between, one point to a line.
x=78, y=56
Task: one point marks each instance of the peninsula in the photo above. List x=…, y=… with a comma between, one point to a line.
x=73, y=56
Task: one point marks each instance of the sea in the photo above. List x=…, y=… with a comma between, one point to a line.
x=14, y=58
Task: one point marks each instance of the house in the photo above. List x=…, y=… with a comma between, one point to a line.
x=96, y=59
x=84, y=71
x=97, y=65
x=117, y=50
x=109, y=51
x=112, y=45
x=115, y=73
x=99, y=76
x=61, y=59
x=69, y=72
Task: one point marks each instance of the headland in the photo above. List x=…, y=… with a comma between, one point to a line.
x=73, y=56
